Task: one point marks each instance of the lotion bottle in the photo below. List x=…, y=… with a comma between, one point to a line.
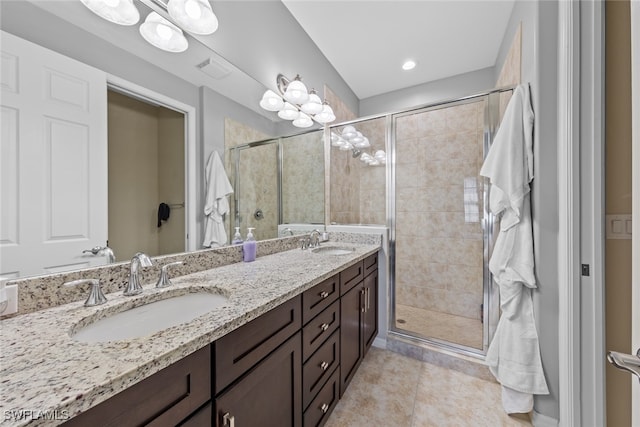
x=249, y=247
x=237, y=238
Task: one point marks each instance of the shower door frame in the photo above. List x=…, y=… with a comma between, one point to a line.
x=490, y=298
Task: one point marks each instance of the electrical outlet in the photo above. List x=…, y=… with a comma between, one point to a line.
x=12, y=300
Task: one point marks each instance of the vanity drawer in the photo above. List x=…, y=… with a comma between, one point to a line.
x=238, y=351
x=351, y=276
x=319, y=329
x=370, y=264
x=165, y=398
x=319, y=297
x=320, y=408
x=319, y=367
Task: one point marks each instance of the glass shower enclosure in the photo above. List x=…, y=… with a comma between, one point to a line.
x=440, y=230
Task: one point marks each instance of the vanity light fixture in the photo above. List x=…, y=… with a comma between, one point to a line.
x=300, y=105
x=193, y=16
x=121, y=12
x=163, y=34
x=351, y=139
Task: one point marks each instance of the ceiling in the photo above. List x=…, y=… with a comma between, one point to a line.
x=368, y=41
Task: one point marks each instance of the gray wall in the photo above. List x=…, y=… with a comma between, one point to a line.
x=277, y=44
x=439, y=90
x=539, y=69
x=545, y=196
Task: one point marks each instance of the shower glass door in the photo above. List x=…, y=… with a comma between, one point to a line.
x=440, y=235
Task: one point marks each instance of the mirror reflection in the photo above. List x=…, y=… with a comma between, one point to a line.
x=277, y=182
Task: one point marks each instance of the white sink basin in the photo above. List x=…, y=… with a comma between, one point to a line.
x=149, y=318
x=333, y=250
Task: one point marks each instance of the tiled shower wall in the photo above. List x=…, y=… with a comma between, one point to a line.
x=439, y=246
x=259, y=182
x=303, y=179
x=358, y=191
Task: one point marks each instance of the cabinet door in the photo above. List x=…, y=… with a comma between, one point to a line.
x=370, y=317
x=269, y=395
x=164, y=399
x=350, y=335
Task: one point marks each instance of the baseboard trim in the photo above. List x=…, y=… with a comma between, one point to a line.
x=540, y=420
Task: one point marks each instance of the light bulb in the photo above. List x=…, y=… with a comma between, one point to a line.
x=163, y=32
x=193, y=9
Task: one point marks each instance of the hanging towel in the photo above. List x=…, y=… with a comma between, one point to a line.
x=163, y=213
x=216, y=203
x=514, y=353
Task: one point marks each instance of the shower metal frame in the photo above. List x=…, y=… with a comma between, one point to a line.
x=235, y=220
x=490, y=298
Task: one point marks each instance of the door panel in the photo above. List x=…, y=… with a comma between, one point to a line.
x=635, y=123
x=54, y=160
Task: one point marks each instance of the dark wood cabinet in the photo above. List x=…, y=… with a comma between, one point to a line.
x=358, y=322
x=164, y=399
x=370, y=315
x=269, y=395
x=350, y=335
x=287, y=368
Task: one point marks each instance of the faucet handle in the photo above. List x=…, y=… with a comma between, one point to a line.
x=96, y=297
x=163, y=280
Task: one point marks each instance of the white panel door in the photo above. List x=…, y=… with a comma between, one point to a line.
x=53, y=165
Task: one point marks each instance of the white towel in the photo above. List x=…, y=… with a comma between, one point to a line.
x=216, y=204
x=514, y=353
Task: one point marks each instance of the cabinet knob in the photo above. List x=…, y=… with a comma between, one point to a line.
x=324, y=408
x=324, y=294
x=324, y=366
x=324, y=327
x=228, y=420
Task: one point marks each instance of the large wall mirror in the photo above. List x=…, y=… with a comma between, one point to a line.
x=278, y=181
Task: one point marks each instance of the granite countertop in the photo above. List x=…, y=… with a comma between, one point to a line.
x=44, y=371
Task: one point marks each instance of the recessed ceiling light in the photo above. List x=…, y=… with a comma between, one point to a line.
x=409, y=65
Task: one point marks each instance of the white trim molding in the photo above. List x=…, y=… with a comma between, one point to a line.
x=136, y=91
x=569, y=210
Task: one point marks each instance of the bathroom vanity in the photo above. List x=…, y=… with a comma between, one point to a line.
x=281, y=352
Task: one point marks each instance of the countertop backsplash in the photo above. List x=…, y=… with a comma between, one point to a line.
x=42, y=292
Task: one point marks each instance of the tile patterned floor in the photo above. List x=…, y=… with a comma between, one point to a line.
x=434, y=324
x=393, y=390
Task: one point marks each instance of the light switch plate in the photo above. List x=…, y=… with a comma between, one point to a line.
x=618, y=226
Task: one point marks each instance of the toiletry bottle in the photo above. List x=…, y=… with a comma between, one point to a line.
x=237, y=238
x=249, y=247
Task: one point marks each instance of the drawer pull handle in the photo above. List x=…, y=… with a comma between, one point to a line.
x=324, y=408
x=228, y=420
x=324, y=294
x=324, y=327
x=324, y=366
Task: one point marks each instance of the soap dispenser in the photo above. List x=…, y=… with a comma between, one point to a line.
x=249, y=247
x=237, y=238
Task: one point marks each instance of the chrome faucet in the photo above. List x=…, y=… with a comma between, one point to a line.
x=102, y=250
x=164, y=280
x=286, y=230
x=314, y=242
x=96, y=297
x=138, y=260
